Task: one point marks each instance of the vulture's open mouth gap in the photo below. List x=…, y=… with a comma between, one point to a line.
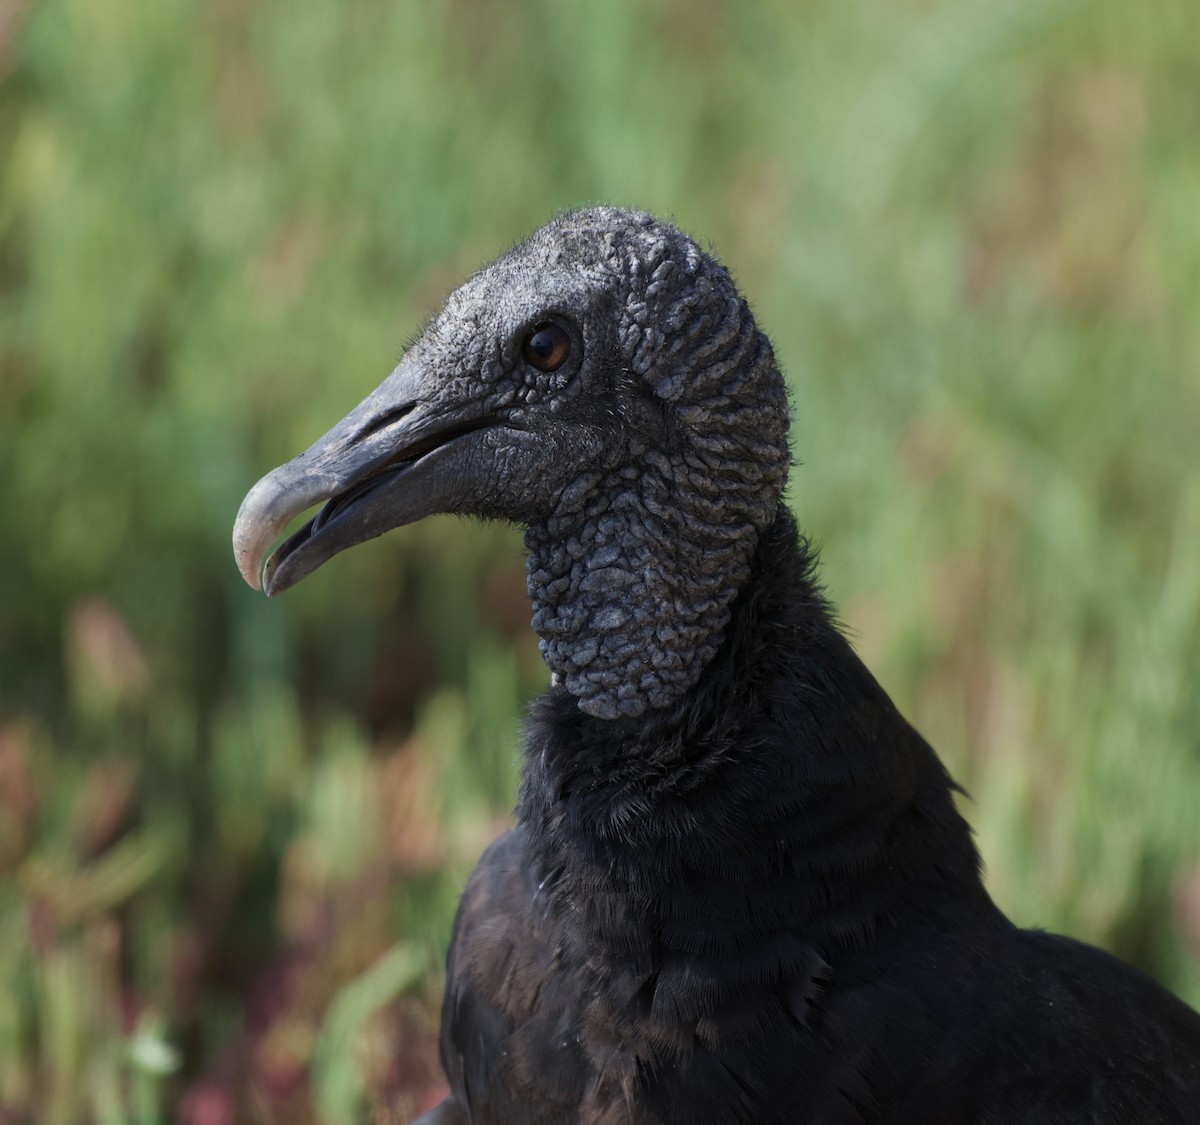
x=391, y=467
x=374, y=477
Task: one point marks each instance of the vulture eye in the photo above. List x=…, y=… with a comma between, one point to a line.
x=547, y=347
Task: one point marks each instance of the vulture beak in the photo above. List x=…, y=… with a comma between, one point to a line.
x=402, y=454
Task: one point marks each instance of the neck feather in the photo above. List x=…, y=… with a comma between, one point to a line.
x=785, y=765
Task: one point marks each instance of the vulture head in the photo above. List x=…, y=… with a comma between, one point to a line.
x=604, y=386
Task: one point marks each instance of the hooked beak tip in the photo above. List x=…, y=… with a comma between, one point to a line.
x=260, y=520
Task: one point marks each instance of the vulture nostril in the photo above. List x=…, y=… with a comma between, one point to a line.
x=384, y=420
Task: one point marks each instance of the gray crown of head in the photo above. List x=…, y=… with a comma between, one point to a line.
x=637, y=557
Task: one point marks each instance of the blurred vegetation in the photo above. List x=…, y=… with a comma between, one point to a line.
x=232, y=832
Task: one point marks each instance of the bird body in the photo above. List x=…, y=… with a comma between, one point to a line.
x=738, y=889
x=766, y=908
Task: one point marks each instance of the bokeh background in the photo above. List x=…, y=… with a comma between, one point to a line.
x=232, y=831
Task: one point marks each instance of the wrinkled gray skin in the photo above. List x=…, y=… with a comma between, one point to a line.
x=644, y=468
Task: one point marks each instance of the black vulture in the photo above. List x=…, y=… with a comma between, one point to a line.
x=738, y=889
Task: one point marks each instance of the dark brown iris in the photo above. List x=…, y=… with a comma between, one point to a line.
x=547, y=347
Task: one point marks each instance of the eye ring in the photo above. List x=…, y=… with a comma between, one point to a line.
x=547, y=346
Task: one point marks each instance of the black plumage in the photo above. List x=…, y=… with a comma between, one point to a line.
x=739, y=889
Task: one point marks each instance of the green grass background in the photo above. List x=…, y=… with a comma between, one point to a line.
x=232, y=832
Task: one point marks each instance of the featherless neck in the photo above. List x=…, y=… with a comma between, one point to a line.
x=633, y=576
x=778, y=611
x=630, y=598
